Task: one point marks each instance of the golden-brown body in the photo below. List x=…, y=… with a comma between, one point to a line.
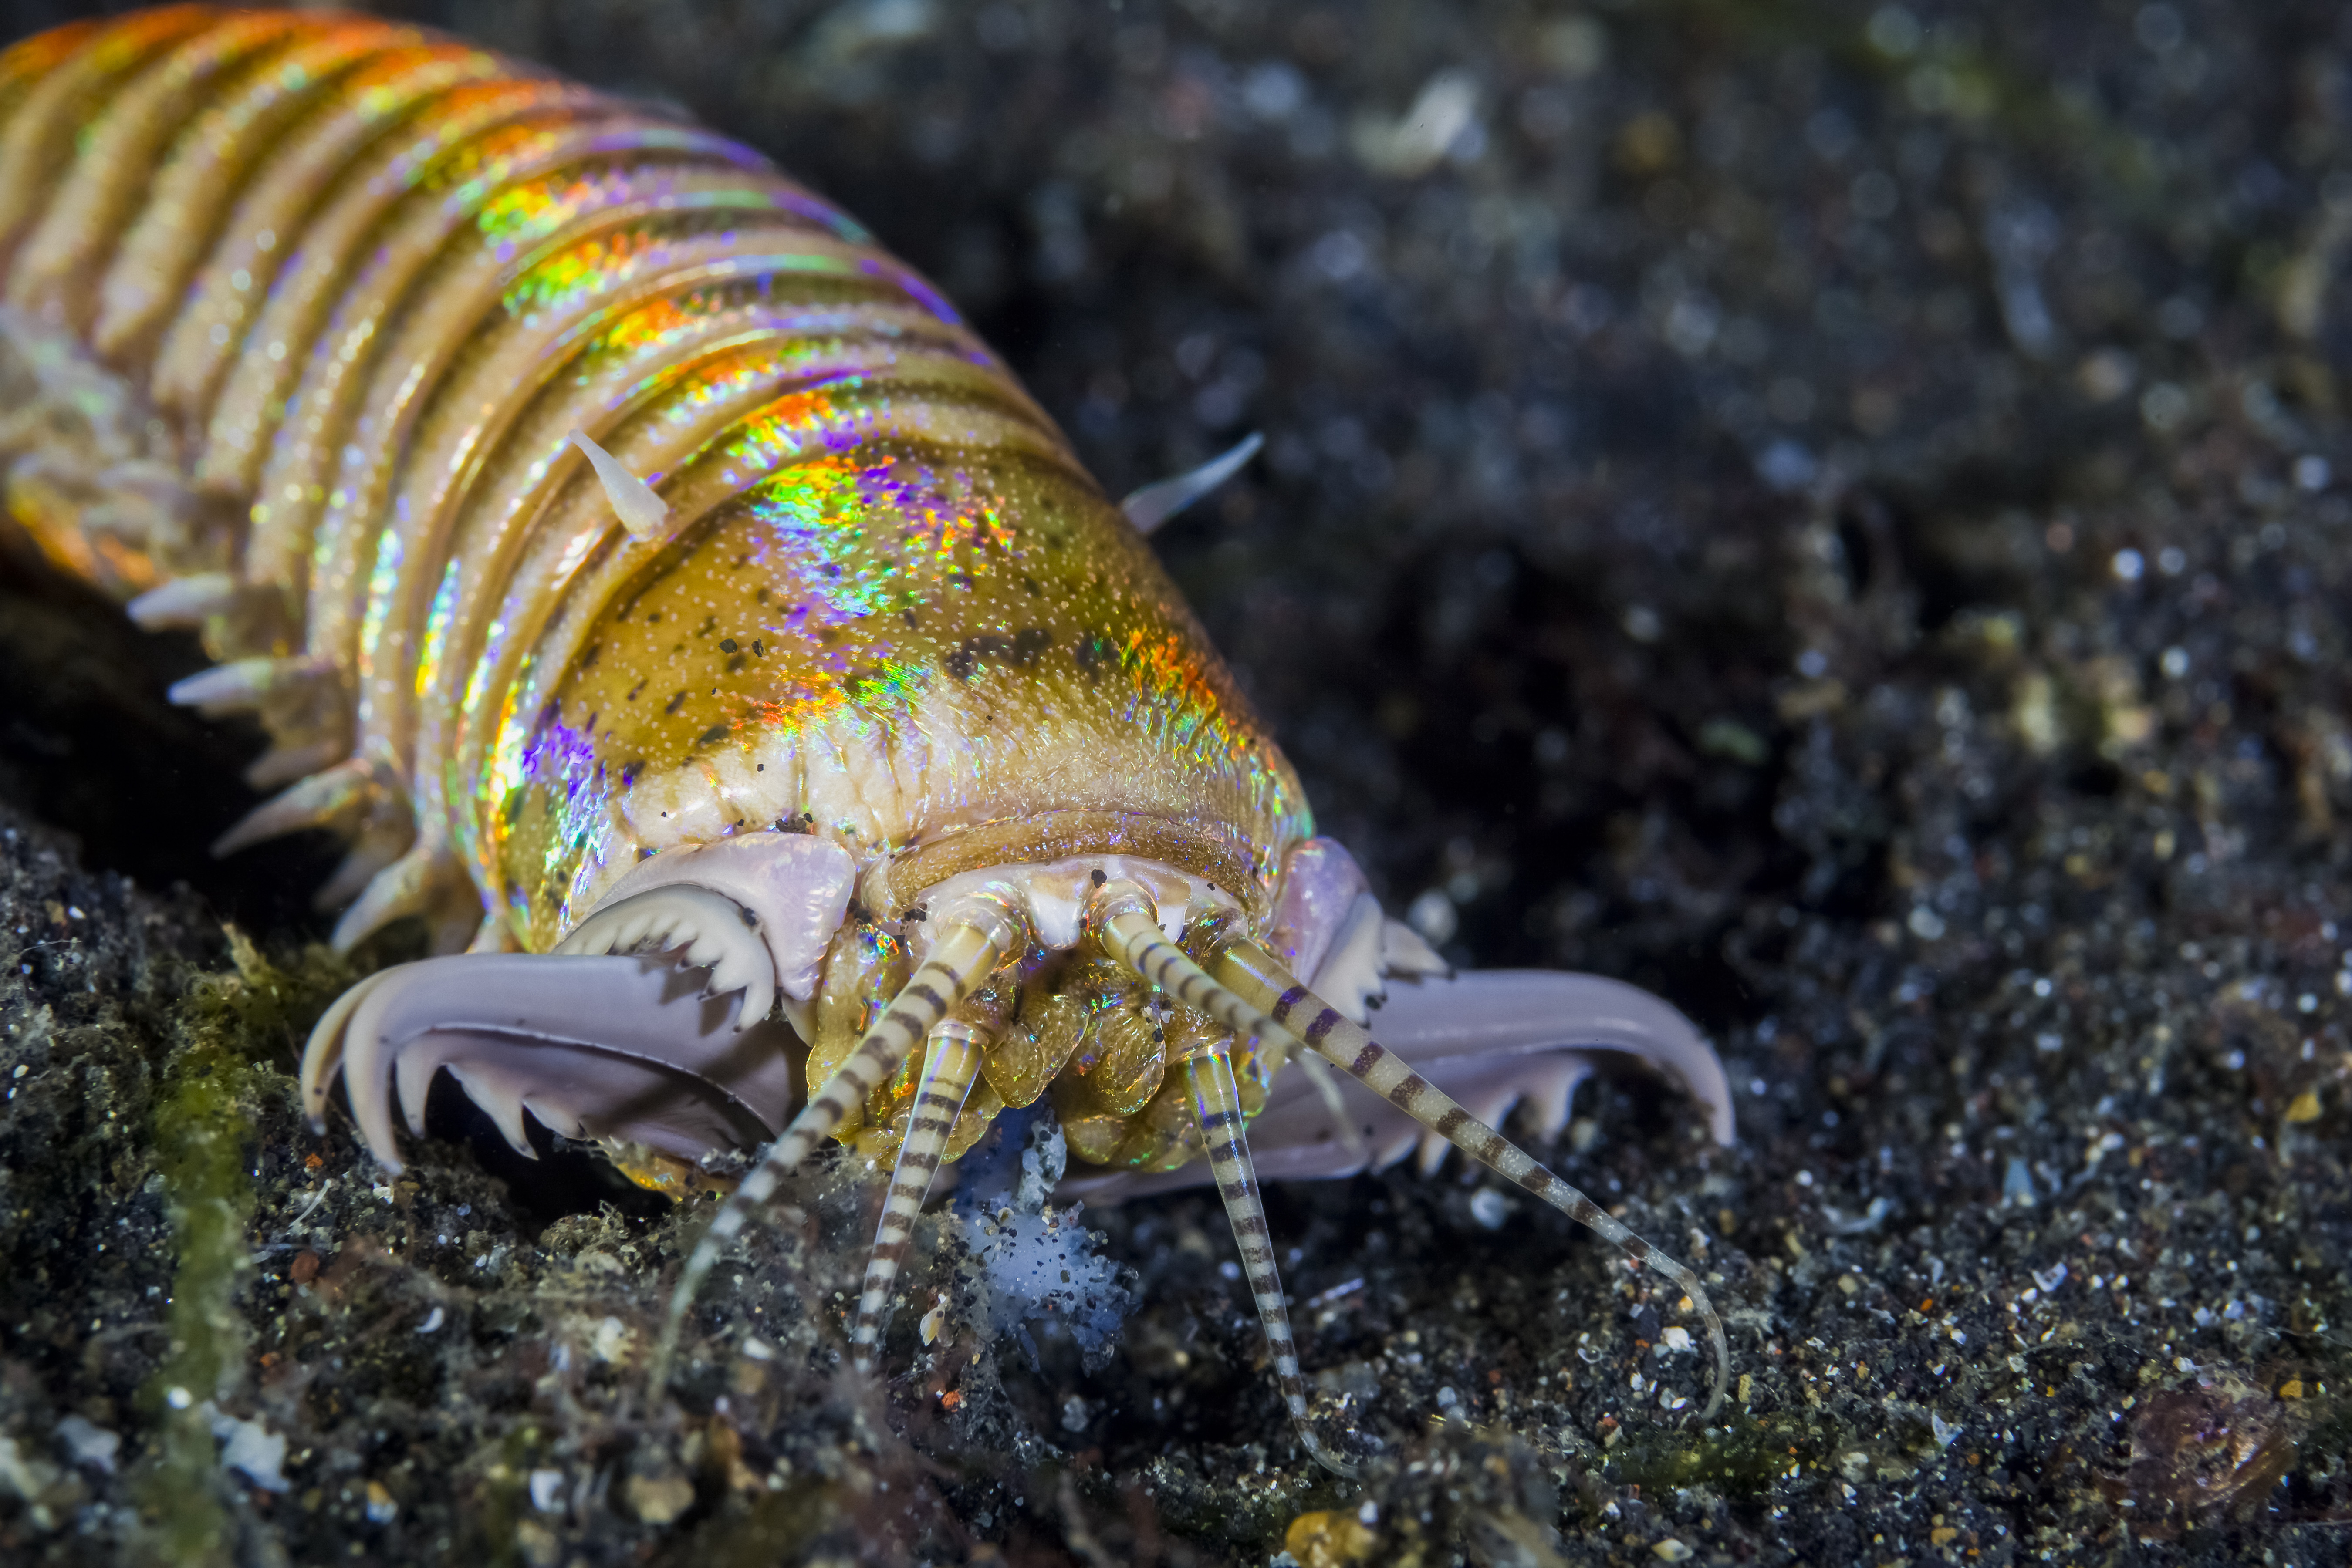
x=889, y=607
x=643, y=570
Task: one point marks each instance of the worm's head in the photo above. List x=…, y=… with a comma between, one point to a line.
x=704, y=989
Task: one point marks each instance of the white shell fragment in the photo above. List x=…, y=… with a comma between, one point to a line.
x=251, y=1448
x=88, y=1443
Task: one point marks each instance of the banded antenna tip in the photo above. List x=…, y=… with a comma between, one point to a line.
x=1153, y=505
x=641, y=511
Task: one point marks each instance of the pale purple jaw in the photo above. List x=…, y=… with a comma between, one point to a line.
x=648, y=1024
x=792, y=888
x=1492, y=1039
x=634, y=1047
x=615, y=1046
x=1501, y=1015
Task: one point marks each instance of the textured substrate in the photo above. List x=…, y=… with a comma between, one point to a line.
x=1833, y=513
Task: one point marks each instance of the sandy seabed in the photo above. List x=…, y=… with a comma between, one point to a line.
x=1834, y=513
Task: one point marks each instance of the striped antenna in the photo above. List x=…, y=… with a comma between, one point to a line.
x=974, y=937
x=1272, y=992
x=952, y=1062
x=1125, y=922
x=1217, y=1104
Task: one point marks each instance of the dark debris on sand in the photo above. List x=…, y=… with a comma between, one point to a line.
x=1837, y=513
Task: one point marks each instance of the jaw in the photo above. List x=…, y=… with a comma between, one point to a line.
x=758, y=910
x=650, y=1023
x=1495, y=1040
x=628, y=1048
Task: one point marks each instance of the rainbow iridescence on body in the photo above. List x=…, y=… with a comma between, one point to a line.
x=888, y=608
x=647, y=575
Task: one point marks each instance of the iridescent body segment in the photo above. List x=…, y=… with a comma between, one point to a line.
x=640, y=567
x=891, y=604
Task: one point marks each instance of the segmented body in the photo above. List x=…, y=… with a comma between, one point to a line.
x=630, y=557
x=370, y=287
